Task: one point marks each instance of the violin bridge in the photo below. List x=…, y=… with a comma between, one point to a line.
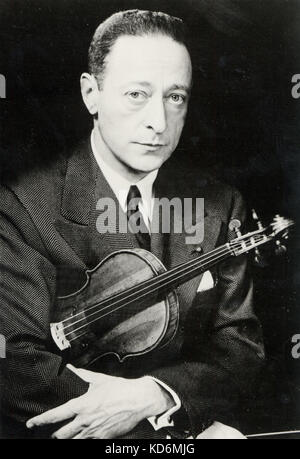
x=58, y=335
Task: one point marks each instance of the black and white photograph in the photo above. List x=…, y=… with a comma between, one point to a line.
x=149, y=222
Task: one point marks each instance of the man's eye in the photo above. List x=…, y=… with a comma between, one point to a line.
x=177, y=99
x=136, y=96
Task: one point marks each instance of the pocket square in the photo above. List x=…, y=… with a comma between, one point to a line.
x=206, y=283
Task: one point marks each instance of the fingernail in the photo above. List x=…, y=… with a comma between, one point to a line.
x=29, y=425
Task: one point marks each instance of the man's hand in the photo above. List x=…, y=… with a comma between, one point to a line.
x=219, y=431
x=111, y=407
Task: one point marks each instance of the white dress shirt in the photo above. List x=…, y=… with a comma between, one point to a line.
x=120, y=186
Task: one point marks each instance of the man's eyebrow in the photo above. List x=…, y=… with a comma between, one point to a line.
x=140, y=83
x=181, y=87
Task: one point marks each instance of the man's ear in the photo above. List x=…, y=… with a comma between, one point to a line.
x=90, y=92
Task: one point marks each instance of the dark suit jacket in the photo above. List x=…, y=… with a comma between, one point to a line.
x=49, y=238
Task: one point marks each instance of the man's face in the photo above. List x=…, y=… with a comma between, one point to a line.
x=143, y=101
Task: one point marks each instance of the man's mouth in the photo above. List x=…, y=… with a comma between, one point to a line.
x=153, y=145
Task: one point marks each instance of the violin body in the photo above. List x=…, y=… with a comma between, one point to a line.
x=87, y=330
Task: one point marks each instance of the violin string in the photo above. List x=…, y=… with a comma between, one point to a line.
x=151, y=285
x=98, y=318
x=103, y=315
x=123, y=305
x=196, y=264
x=137, y=288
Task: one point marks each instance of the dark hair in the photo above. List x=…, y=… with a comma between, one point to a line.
x=130, y=22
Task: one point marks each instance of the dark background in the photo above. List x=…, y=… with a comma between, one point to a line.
x=243, y=124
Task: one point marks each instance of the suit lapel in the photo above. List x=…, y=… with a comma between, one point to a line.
x=84, y=186
x=115, y=238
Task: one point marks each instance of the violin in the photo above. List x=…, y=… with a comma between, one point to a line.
x=128, y=305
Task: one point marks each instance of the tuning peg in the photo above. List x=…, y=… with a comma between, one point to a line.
x=257, y=220
x=198, y=250
x=260, y=260
x=235, y=225
x=280, y=248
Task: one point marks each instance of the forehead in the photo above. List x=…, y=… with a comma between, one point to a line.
x=153, y=59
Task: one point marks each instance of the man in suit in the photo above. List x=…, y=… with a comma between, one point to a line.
x=137, y=91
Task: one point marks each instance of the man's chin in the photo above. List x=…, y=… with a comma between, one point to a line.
x=146, y=169
x=147, y=164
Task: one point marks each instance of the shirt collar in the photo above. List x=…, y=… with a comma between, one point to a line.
x=120, y=185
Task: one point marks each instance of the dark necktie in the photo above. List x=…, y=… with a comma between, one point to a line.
x=133, y=213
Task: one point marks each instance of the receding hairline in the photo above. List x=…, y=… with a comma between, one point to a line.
x=178, y=86
x=146, y=35
x=132, y=23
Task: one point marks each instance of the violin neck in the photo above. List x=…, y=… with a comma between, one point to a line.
x=188, y=270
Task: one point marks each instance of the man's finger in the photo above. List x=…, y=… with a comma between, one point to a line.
x=219, y=431
x=68, y=431
x=79, y=436
x=61, y=413
x=86, y=375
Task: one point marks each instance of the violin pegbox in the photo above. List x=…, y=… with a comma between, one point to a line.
x=277, y=230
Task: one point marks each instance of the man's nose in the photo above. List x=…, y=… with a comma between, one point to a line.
x=155, y=117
